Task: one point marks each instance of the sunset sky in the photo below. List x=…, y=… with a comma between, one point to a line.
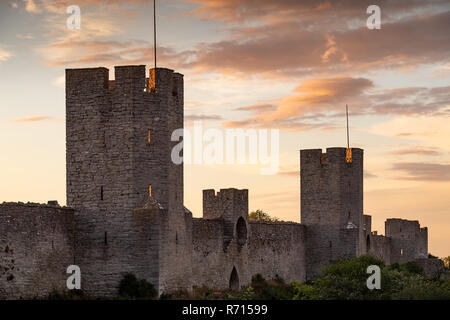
x=281, y=64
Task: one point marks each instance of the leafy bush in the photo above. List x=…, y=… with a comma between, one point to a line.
x=304, y=291
x=132, y=288
x=260, y=215
x=67, y=295
x=346, y=279
x=258, y=278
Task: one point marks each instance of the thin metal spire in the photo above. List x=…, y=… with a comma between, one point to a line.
x=348, y=135
x=154, y=31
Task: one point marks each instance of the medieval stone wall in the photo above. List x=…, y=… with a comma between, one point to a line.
x=118, y=153
x=379, y=246
x=331, y=206
x=277, y=249
x=408, y=240
x=36, y=247
x=126, y=195
x=213, y=261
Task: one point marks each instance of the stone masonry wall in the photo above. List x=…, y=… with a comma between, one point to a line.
x=331, y=206
x=271, y=249
x=380, y=246
x=212, y=262
x=36, y=247
x=118, y=148
x=277, y=249
x=408, y=240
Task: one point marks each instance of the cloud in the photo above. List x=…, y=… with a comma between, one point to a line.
x=31, y=6
x=428, y=130
x=291, y=174
x=60, y=82
x=37, y=119
x=27, y=36
x=419, y=151
x=258, y=108
x=4, y=54
x=423, y=171
x=312, y=99
x=317, y=100
x=291, y=46
x=106, y=53
x=239, y=11
x=369, y=175
x=14, y=5
x=195, y=117
x=319, y=95
x=57, y=6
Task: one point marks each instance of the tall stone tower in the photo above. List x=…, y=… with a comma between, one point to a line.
x=118, y=155
x=331, y=205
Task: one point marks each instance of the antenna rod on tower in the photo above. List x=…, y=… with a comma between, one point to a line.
x=154, y=35
x=348, y=139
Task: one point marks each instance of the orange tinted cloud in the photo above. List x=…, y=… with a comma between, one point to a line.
x=308, y=102
x=317, y=99
x=294, y=47
x=424, y=171
x=262, y=10
x=4, y=54
x=38, y=118
x=420, y=151
x=319, y=95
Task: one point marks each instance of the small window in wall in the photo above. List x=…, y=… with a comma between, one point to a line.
x=241, y=231
x=318, y=215
x=106, y=237
x=331, y=244
x=148, y=136
x=101, y=193
x=401, y=252
x=104, y=138
x=150, y=190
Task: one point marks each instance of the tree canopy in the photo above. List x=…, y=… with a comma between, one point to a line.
x=260, y=215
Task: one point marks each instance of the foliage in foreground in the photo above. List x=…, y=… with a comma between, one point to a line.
x=346, y=280
x=132, y=288
x=342, y=280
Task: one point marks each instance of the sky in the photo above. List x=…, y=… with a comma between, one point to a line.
x=274, y=64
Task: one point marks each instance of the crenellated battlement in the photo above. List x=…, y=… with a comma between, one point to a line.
x=161, y=81
x=316, y=157
x=227, y=202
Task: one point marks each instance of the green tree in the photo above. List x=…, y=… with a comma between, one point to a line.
x=132, y=288
x=447, y=262
x=347, y=280
x=260, y=215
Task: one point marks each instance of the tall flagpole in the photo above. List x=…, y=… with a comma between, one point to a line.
x=154, y=28
x=154, y=35
x=348, y=138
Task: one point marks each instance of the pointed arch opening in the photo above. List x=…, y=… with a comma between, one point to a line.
x=234, y=279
